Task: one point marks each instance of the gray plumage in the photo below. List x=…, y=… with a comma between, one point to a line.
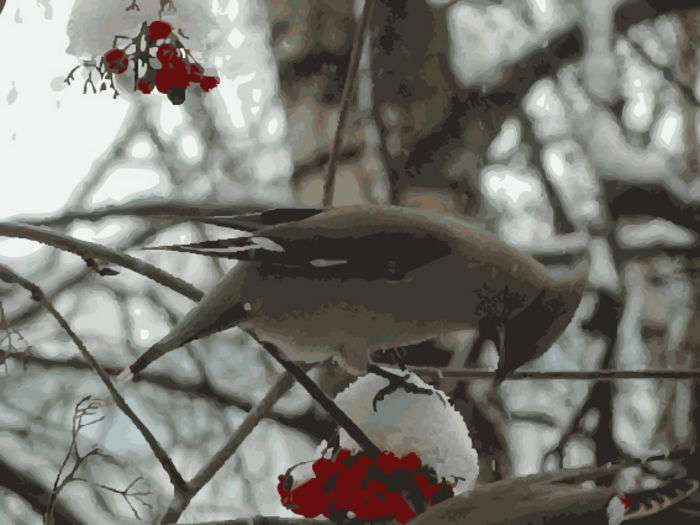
x=346, y=281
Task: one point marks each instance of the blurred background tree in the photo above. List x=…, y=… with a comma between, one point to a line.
x=564, y=126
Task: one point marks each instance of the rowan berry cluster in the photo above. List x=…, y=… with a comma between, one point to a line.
x=359, y=488
x=160, y=61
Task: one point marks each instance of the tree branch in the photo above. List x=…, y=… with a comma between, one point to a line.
x=322, y=399
x=92, y=251
x=348, y=89
x=10, y=277
x=308, y=422
x=180, y=501
x=182, y=492
x=34, y=493
x=580, y=375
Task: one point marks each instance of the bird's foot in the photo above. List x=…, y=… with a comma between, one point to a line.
x=396, y=381
x=501, y=375
x=398, y=355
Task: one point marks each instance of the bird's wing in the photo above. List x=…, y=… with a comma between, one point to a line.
x=333, y=243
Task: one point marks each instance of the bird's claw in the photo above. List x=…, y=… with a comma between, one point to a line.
x=397, y=381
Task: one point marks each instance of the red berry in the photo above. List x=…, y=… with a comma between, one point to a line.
x=307, y=499
x=166, y=53
x=410, y=462
x=371, y=487
x=401, y=511
x=158, y=29
x=116, y=61
x=173, y=74
x=144, y=86
x=208, y=83
x=324, y=468
x=195, y=73
x=427, y=489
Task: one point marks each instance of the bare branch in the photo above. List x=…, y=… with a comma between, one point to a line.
x=256, y=414
x=93, y=251
x=84, y=408
x=9, y=276
x=25, y=314
x=179, y=503
x=348, y=88
x=307, y=422
x=580, y=375
x=128, y=494
x=182, y=492
x=36, y=495
x=322, y=399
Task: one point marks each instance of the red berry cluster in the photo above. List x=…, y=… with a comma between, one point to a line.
x=160, y=60
x=353, y=488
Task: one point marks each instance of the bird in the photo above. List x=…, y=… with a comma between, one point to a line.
x=343, y=282
x=558, y=497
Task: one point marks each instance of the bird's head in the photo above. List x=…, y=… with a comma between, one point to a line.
x=532, y=331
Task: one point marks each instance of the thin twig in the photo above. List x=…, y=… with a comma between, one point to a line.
x=92, y=251
x=29, y=311
x=255, y=415
x=164, y=278
x=307, y=422
x=85, y=248
x=281, y=386
x=25, y=483
x=86, y=407
x=353, y=67
x=322, y=399
x=583, y=375
x=9, y=276
x=127, y=493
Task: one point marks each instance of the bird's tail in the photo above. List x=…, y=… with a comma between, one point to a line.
x=220, y=309
x=636, y=505
x=643, y=504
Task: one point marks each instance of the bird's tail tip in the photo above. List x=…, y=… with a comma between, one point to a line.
x=646, y=503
